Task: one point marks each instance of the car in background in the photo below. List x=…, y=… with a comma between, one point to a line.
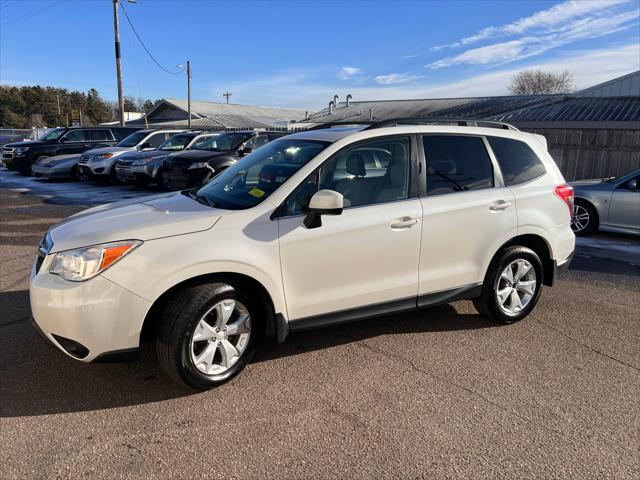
x=206, y=159
x=21, y=156
x=99, y=163
x=141, y=167
x=609, y=204
x=60, y=167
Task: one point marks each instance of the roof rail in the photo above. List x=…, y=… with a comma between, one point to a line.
x=322, y=126
x=461, y=122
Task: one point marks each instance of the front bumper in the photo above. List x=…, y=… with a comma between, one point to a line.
x=42, y=172
x=98, y=315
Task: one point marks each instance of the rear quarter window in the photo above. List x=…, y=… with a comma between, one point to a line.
x=518, y=162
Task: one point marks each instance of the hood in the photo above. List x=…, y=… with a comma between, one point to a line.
x=595, y=181
x=28, y=143
x=189, y=156
x=58, y=159
x=145, y=218
x=114, y=150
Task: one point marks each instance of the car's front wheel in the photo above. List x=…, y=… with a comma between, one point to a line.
x=584, y=219
x=512, y=285
x=208, y=335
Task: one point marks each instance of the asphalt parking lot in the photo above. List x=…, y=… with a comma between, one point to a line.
x=441, y=393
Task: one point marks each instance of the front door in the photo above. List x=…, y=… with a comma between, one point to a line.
x=369, y=254
x=624, y=208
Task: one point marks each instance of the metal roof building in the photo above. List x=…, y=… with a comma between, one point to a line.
x=173, y=112
x=591, y=133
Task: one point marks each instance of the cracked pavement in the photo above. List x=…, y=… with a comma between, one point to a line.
x=441, y=393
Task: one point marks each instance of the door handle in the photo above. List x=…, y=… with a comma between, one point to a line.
x=404, y=222
x=499, y=205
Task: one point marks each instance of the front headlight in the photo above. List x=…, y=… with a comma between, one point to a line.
x=84, y=263
x=195, y=165
x=103, y=156
x=21, y=150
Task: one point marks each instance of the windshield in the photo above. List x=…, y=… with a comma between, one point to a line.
x=53, y=134
x=177, y=142
x=133, y=139
x=252, y=179
x=220, y=141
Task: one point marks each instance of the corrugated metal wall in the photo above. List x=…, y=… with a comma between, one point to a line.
x=593, y=153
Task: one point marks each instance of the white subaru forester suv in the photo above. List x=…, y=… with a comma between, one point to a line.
x=317, y=228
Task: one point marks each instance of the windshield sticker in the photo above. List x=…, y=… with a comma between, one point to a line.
x=256, y=192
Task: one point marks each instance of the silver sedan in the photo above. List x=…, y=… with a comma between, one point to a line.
x=610, y=204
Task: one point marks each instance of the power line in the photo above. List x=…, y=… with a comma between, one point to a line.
x=28, y=15
x=144, y=46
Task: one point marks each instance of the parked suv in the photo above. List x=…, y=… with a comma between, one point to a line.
x=99, y=163
x=316, y=228
x=21, y=156
x=209, y=156
x=142, y=167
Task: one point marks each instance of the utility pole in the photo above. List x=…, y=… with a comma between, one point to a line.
x=116, y=27
x=227, y=95
x=189, y=93
x=59, y=113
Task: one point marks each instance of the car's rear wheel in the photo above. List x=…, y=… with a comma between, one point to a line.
x=584, y=219
x=208, y=334
x=512, y=285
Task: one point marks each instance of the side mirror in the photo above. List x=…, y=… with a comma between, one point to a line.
x=144, y=146
x=245, y=151
x=632, y=184
x=323, y=202
x=63, y=140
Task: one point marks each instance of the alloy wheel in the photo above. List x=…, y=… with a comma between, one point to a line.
x=516, y=286
x=580, y=218
x=220, y=337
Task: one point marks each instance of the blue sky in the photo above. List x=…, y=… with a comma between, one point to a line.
x=301, y=53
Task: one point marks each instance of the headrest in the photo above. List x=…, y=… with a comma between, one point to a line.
x=355, y=165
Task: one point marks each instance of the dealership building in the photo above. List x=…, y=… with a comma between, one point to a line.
x=591, y=133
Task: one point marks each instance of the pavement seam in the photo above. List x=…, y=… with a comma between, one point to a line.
x=589, y=347
x=417, y=369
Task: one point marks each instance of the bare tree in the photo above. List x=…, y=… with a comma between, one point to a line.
x=535, y=82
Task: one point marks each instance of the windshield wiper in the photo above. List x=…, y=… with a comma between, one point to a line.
x=192, y=194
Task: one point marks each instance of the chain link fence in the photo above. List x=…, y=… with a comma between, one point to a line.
x=8, y=135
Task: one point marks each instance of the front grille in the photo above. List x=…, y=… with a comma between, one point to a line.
x=84, y=159
x=124, y=163
x=8, y=152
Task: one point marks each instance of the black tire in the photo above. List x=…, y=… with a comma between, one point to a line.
x=585, y=208
x=113, y=176
x=142, y=182
x=160, y=180
x=179, y=320
x=487, y=303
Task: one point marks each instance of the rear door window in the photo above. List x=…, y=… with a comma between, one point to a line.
x=100, y=135
x=456, y=163
x=518, y=163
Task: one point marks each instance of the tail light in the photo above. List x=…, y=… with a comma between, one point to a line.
x=565, y=192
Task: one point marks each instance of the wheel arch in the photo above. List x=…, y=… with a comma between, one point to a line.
x=151, y=323
x=539, y=245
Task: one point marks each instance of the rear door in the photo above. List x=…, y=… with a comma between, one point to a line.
x=467, y=213
x=369, y=254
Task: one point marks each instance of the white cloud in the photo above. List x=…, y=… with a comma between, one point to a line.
x=346, y=73
x=302, y=88
x=527, y=46
x=544, y=21
x=393, y=78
